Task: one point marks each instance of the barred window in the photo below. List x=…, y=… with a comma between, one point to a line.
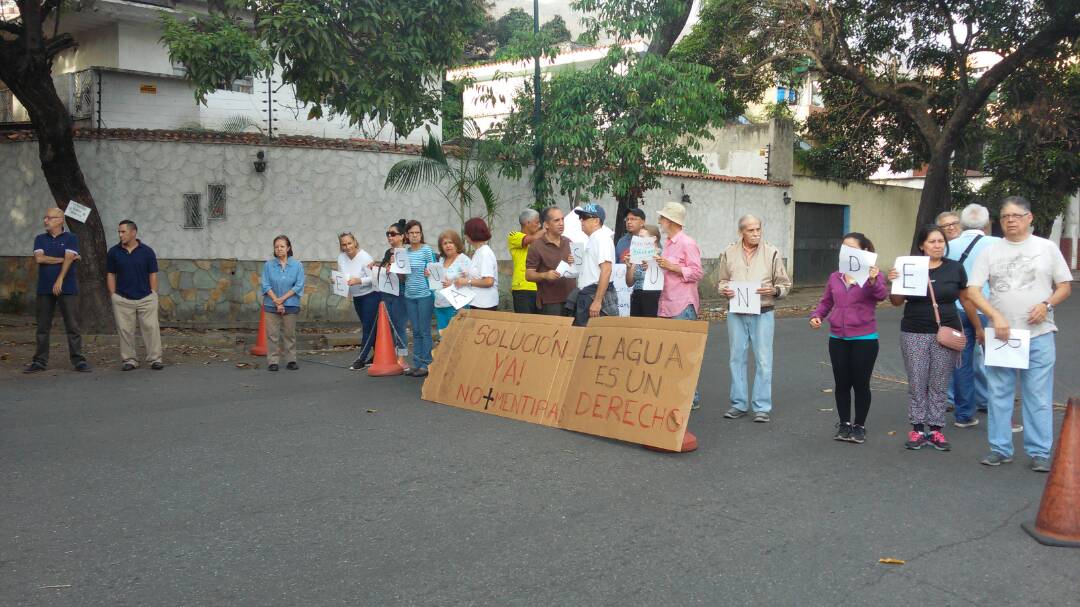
x=215, y=196
x=193, y=217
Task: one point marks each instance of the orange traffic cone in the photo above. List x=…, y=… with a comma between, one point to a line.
x=260, y=341
x=386, y=362
x=689, y=443
x=1058, y=522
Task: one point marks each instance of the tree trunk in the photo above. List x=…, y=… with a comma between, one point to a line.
x=33, y=86
x=936, y=194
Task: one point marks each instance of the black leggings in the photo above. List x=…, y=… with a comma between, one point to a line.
x=852, y=364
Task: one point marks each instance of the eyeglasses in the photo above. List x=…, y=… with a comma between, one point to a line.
x=1012, y=216
x=392, y=234
x=945, y=226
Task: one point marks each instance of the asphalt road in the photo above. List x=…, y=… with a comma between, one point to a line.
x=211, y=485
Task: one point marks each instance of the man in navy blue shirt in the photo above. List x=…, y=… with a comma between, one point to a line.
x=132, y=281
x=56, y=252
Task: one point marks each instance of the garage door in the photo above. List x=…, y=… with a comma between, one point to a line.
x=818, y=229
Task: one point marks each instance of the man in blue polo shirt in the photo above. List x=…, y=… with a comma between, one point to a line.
x=55, y=253
x=132, y=281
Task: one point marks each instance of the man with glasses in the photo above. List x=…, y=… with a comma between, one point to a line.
x=55, y=253
x=1028, y=276
x=949, y=222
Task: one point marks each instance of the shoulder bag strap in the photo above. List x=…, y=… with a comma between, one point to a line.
x=969, y=247
x=933, y=300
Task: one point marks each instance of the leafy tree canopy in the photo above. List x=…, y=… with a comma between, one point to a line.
x=364, y=59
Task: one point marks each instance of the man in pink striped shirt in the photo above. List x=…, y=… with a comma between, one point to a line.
x=681, y=263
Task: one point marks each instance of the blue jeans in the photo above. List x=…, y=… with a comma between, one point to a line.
x=755, y=331
x=367, y=309
x=443, y=316
x=395, y=309
x=1037, y=398
x=689, y=313
x=969, y=379
x=419, y=311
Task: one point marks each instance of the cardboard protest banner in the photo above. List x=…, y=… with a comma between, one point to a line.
x=631, y=379
x=654, y=277
x=400, y=264
x=747, y=300
x=436, y=273
x=1013, y=353
x=618, y=281
x=340, y=281
x=856, y=263
x=914, y=276
x=388, y=282
x=642, y=248
x=77, y=211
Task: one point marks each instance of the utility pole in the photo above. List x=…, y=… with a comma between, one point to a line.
x=538, y=144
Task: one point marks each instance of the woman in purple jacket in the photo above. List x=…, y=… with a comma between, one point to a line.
x=853, y=339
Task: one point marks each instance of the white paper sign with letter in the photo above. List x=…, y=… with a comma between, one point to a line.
x=654, y=277
x=914, y=276
x=577, y=250
x=400, y=265
x=436, y=274
x=341, y=283
x=747, y=300
x=388, y=282
x=618, y=279
x=458, y=298
x=77, y=211
x=856, y=263
x=1014, y=353
x=642, y=248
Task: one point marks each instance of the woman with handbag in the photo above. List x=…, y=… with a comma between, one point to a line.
x=931, y=339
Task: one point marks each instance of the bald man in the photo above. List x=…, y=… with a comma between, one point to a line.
x=55, y=253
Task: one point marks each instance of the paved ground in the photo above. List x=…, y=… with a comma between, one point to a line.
x=208, y=484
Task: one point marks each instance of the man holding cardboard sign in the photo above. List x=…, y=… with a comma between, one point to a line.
x=1028, y=276
x=752, y=260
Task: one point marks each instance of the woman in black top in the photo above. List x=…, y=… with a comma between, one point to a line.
x=929, y=364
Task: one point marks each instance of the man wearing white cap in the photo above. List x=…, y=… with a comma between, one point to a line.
x=681, y=263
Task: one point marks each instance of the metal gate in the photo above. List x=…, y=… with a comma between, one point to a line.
x=818, y=229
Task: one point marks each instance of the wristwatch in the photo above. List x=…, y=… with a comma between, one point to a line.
x=1049, y=306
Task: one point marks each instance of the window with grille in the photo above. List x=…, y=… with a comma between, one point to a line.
x=193, y=217
x=215, y=196
x=82, y=95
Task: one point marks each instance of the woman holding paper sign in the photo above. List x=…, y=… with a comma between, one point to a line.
x=419, y=301
x=395, y=303
x=644, y=303
x=853, y=339
x=454, y=263
x=483, y=274
x=355, y=263
x=930, y=364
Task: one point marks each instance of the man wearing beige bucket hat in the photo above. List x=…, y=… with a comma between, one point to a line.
x=681, y=263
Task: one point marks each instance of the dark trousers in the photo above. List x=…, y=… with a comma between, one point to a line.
x=367, y=309
x=69, y=309
x=555, y=309
x=644, y=303
x=525, y=302
x=852, y=363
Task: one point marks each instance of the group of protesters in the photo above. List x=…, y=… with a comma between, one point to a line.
x=976, y=281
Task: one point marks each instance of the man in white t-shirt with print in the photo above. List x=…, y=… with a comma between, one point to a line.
x=596, y=296
x=1028, y=276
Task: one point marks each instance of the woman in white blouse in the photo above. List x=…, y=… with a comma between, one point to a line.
x=354, y=262
x=483, y=274
x=455, y=263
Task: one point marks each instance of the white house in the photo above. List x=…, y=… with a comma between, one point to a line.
x=120, y=76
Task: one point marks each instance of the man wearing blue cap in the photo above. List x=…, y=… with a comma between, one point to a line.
x=595, y=298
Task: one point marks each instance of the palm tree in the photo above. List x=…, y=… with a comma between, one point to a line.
x=459, y=171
